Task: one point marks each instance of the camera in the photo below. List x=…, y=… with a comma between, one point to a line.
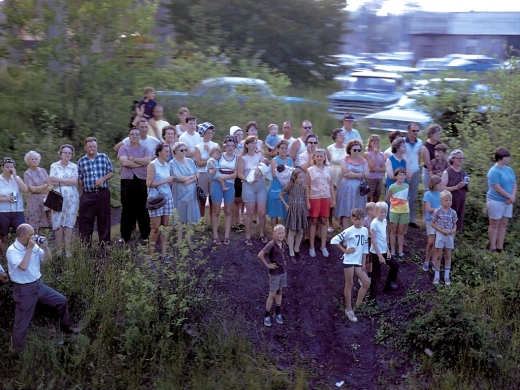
x=15, y=197
x=465, y=179
x=39, y=239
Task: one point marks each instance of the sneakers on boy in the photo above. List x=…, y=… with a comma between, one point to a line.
x=425, y=267
x=324, y=252
x=351, y=316
x=267, y=321
x=435, y=280
x=278, y=318
x=447, y=281
x=312, y=252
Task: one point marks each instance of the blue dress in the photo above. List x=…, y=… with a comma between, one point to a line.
x=185, y=197
x=275, y=207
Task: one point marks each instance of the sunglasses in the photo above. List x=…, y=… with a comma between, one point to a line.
x=356, y=150
x=307, y=127
x=415, y=131
x=183, y=150
x=312, y=143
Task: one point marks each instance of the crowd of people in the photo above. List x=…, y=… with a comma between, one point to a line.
x=168, y=173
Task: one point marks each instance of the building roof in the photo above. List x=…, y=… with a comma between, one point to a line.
x=466, y=23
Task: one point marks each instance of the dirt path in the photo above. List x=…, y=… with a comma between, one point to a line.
x=316, y=333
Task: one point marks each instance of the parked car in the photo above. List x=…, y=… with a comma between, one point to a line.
x=221, y=88
x=431, y=65
x=365, y=92
x=398, y=117
x=471, y=63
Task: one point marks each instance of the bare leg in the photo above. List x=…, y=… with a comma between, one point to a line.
x=250, y=208
x=227, y=219
x=312, y=231
x=349, y=282
x=429, y=247
x=298, y=240
x=68, y=238
x=215, y=211
x=274, y=222
x=364, y=288
x=155, y=222
x=58, y=234
x=323, y=230
x=290, y=241
x=493, y=233
x=261, y=208
x=393, y=233
x=400, y=236
x=502, y=232
x=164, y=235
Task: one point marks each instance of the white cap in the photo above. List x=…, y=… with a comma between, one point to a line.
x=233, y=129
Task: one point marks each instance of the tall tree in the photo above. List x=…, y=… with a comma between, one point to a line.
x=294, y=36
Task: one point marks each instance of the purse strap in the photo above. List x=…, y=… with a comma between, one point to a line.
x=59, y=187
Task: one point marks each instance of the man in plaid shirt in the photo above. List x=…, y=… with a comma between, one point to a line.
x=444, y=221
x=94, y=171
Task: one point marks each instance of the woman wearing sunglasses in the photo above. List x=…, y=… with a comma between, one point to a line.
x=354, y=169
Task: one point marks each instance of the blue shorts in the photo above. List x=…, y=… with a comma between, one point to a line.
x=217, y=194
x=10, y=219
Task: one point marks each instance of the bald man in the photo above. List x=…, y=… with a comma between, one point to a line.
x=23, y=258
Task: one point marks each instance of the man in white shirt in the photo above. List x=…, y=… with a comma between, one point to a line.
x=413, y=154
x=23, y=258
x=149, y=142
x=159, y=123
x=348, y=131
x=191, y=137
x=287, y=129
x=299, y=146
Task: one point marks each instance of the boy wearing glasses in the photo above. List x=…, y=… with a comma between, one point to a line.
x=413, y=154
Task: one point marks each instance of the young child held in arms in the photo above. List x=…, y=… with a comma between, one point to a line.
x=275, y=251
x=444, y=221
x=440, y=163
x=144, y=109
x=213, y=166
x=380, y=254
x=431, y=201
x=353, y=242
x=397, y=196
x=296, y=220
x=272, y=138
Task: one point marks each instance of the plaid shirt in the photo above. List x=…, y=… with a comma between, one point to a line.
x=444, y=219
x=89, y=171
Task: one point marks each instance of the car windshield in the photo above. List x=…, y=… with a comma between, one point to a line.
x=376, y=84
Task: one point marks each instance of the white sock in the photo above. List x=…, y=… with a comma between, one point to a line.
x=437, y=273
x=447, y=272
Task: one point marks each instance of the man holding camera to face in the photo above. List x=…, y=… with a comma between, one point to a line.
x=24, y=257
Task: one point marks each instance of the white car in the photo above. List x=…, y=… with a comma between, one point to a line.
x=398, y=117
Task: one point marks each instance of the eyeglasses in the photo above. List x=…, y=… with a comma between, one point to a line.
x=71, y=153
x=415, y=131
x=356, y=150
x=458, y=158
x=307, y=127
x=312, y=143
x=183, y=150
x=134, y=134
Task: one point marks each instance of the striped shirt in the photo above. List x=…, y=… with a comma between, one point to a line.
x=445, y=219
x=90, y=170
x=399, y=199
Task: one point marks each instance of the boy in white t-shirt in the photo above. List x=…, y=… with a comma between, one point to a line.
x=353, y=242
x=380, y=254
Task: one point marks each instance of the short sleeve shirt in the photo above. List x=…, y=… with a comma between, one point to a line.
x=190, y=140
x=434, y=199
x=412, y=153
x=15, y=254
x=505, y=177
x=356, y=238
x=354, y=134
x=148, y=107
x=276, y=255
x=150, y=143
x=6, y=189
x=444, y=219
x=380, y=228
x=90, y=170
x=138, y=152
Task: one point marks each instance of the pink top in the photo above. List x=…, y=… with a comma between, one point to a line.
x=319, y=185
x=379, y=164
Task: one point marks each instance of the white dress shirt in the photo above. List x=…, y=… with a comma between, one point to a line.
x=15, y=254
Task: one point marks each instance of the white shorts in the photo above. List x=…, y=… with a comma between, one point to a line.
x=497, y=209
x=442, y=241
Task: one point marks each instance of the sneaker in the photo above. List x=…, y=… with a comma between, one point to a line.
x=324, y=252
x=351, y=316
x=312, y=252
x=425, y=267
x=435, y=280
x=68, y=254
x=330, y=229
x=447, y=281
x=166, y=260
x=267, y=321
x=278, y=318
x=432, y=267
x=237, y=229
x=401, y=255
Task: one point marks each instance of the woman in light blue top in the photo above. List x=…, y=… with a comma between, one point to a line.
x=184, y=188
x=158, y=180
x=500, y=198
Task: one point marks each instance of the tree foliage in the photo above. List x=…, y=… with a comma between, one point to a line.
x=293, y=36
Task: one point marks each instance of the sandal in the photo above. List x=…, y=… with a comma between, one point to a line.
x=263, y=239
x=216, y=241
x=248, y=242
x=226, y=241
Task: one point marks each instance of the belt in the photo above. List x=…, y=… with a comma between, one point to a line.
x=97, y=190
x=25, y=284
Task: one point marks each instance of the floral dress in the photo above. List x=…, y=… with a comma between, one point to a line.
x=348, y=197
x=185, y=197
x=67, y=217
x=35, y=216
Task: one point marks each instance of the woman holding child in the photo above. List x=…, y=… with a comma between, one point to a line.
x=500, y=198
x=275, y=208
x=254, y=191
x=223, y=187
x=354, y=169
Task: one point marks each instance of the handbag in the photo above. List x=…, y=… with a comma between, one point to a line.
x=156, y=202
x=364, y=187
x=54, y=200
x=201, y=196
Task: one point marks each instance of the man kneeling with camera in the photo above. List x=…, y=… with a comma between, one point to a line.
x=24, y=257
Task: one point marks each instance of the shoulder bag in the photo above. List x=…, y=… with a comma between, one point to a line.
x=54, y=200
x=364, y=187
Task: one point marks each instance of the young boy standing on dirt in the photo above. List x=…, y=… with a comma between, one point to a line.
x=380, y=254
x=444, y=220
x=353, y=242
x=276, y=251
